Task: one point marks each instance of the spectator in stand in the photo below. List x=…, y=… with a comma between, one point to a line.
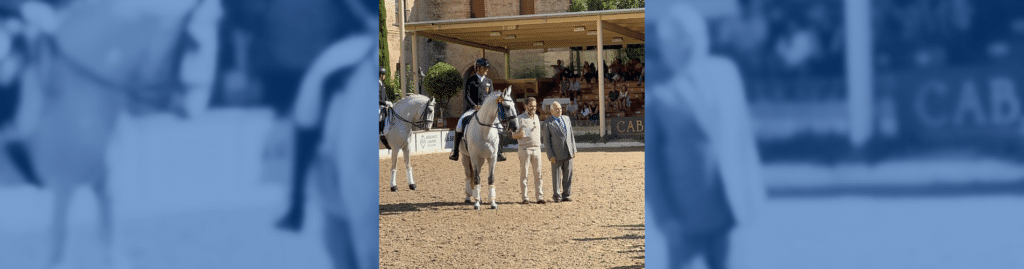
x=624, y=98
x=559, y=78
x=590, y=73
x=584, y=69
x=575, y=88
x=643, y=74
x=586, y=112
x=613, y=96
x=573, y=108
x=615, y=71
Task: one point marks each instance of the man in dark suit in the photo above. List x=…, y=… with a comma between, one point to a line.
x=560, y=146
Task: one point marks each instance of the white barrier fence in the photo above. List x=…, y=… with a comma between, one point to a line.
x=427, y=142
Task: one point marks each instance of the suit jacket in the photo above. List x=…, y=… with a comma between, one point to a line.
x=558, y=143
x=476, y=90
x=683, y=187
x=720, y=107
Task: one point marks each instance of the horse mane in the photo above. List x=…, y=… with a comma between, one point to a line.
x=410, y=106
x=412, y=98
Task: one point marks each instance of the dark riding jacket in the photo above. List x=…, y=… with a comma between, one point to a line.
x=476, y=90
x=383, y=99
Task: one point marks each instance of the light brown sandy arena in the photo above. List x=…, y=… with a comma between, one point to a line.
x=432, y=228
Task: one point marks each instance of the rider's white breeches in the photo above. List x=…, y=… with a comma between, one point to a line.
x=459, y=127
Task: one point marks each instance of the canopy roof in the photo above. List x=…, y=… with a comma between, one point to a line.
x=555, y=30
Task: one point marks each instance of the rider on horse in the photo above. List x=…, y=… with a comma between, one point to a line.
x=383, y=100
x=477, y=87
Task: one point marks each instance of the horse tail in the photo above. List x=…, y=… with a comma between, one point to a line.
x=22, y=162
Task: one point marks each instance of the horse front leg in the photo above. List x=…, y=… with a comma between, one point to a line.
x=108, y=231
x=477, y=166
x=394, y=165
x=408, y=169
x=468, y=167
x=490, y=182
x=58, y=228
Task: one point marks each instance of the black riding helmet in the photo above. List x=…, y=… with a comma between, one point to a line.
x=383, y=71
x=483, y=62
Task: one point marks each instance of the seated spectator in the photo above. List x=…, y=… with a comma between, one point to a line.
x=590, y=73
x=586, y=112
x=638, y=69
x=593, y=111
x=628, y=72
x=572, y=109
x=559, y=78
x=574, y=89
x=643, y=74
x=623, y=97
x=626, y=98
x=613, y=96
x=615, y=71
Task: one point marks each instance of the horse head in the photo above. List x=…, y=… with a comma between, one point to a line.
x=416, y=110
x=507, y=109
x=427, y=118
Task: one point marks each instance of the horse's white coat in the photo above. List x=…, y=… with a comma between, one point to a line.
x=482, y=143
x=399, y=133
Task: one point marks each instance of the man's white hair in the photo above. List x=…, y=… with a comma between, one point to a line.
x=680, y=25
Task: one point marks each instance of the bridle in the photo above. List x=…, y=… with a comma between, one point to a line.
x=503, y=119
x=424, y=122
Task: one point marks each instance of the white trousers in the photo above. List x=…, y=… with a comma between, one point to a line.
x=530, y=160
x=459, y=127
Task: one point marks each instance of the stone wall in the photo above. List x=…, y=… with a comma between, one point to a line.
x=463, y=57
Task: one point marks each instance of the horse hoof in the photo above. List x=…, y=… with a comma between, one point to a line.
x=493, y=206
x=468, y=201
x=412, y=187
x=477, y=207
x=394, y=189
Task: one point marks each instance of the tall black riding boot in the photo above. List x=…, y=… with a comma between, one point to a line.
x=455, y=148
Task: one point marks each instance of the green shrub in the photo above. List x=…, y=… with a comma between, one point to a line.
x=442, y=81
x=577, y=6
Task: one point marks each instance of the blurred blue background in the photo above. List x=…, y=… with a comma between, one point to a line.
x=888, y=131
x=183, y=118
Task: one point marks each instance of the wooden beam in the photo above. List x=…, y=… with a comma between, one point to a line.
x=463, y=42
x=622, y=30
x=552, y=45
x=504, y=23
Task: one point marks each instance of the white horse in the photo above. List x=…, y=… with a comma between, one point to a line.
x=65, y=149
x=481, y=141
x=414, y=112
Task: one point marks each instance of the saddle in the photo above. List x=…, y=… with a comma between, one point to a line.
x=466, y=120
